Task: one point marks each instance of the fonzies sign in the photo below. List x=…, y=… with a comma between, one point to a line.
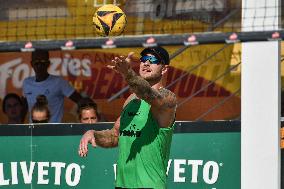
x=87, y=72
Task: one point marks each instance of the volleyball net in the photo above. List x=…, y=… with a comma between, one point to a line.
x=49, y=24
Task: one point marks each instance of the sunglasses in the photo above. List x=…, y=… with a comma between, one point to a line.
x=40, y=121
x=151, y=59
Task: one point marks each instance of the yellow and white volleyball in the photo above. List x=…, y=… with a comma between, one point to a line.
x=109, y=20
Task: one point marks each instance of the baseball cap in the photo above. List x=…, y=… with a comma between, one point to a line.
x=160, y=53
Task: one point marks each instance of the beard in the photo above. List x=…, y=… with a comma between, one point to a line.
x=151, y=77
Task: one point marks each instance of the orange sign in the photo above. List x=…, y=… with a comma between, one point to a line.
x=87, y=72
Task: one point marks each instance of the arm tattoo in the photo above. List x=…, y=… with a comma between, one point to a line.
x=171, y=101
x=106, y=138
x=141, y=87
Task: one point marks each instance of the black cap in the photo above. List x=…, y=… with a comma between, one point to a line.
x=159, y=52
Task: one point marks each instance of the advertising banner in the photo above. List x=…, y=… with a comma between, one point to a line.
x=49, y=159
x=86, y=70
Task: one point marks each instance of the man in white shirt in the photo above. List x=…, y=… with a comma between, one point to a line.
x=55, y=88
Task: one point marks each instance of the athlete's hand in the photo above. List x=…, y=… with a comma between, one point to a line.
x=121, y=64
x=87, y=138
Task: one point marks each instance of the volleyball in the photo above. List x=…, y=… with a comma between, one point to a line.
x=109, y=20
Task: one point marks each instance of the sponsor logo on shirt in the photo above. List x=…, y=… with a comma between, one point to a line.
x=131, y=132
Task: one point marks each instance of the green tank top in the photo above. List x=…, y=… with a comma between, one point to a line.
x=144, y=148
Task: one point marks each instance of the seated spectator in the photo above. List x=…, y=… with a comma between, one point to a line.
x=87, y=111
x=40, y=112
x=15, y=108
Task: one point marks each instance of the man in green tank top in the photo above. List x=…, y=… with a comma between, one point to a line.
x=143, y=132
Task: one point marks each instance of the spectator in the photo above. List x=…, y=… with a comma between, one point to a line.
x=55, y=88
x=15, y=108
x=40, y=112
x=87, y=111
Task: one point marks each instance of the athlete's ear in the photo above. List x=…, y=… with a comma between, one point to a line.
x=165, y=69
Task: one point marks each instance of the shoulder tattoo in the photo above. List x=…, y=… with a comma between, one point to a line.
x=169, y=97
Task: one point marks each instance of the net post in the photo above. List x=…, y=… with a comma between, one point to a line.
x=260, y=106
